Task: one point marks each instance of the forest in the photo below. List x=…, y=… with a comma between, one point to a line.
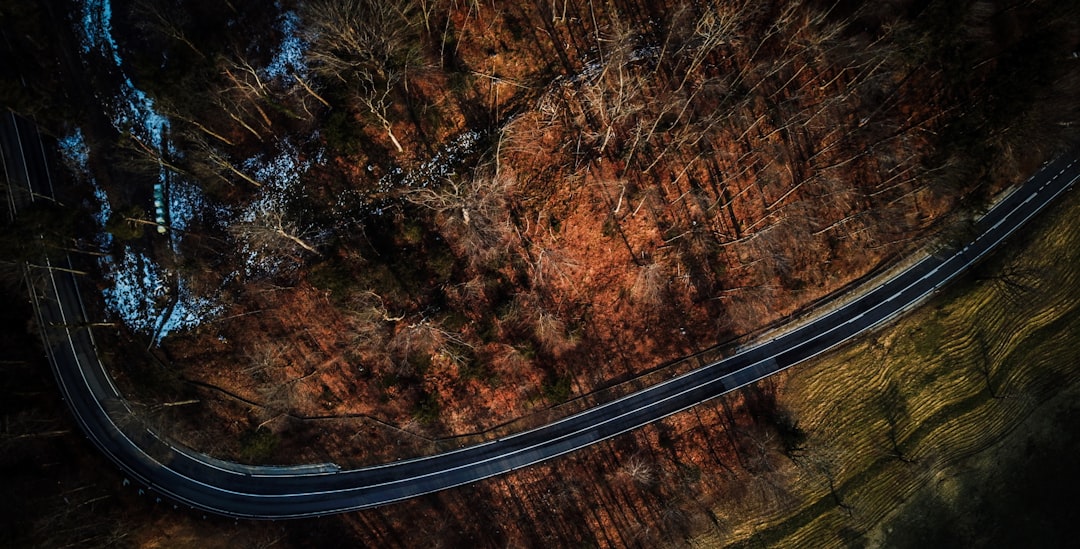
x=378, y=229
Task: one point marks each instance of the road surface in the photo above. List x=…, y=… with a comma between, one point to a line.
x=231, y=489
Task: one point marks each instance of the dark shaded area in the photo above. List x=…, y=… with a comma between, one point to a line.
x=1029, y=500
x=57, y=489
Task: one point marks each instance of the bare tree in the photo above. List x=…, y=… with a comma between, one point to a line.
x=419, y=341
x=350, y=37
x=551, y=263
x=207, y=160
x=894, y=407
x=471, y=212
x=269, y=233
x=368, y=45
x=166, y=18
x=1016, y=283
x=716, y=27
x=263, y=358
x=246, y=90
x=639, y=470
x=550, y=330
x=375, y=98
x=650, y=286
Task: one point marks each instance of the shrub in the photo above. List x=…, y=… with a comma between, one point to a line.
x=257, y=446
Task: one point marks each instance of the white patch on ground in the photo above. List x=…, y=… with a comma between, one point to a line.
x=439, y=167
x=134, y=112
x=190, y=311
x=289, y=57
x=139, y=293
x=97, y=29
x=75, y=154
x=185, y=200
x=442, y=164
x=280, y=175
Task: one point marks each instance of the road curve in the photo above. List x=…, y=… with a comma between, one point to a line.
x=231, y=489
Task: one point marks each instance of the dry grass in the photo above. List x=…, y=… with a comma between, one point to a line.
x=897, y=410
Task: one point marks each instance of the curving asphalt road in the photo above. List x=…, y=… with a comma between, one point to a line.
x=237, y=490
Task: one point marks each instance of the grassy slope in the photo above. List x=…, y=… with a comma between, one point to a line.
x=892, y=418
